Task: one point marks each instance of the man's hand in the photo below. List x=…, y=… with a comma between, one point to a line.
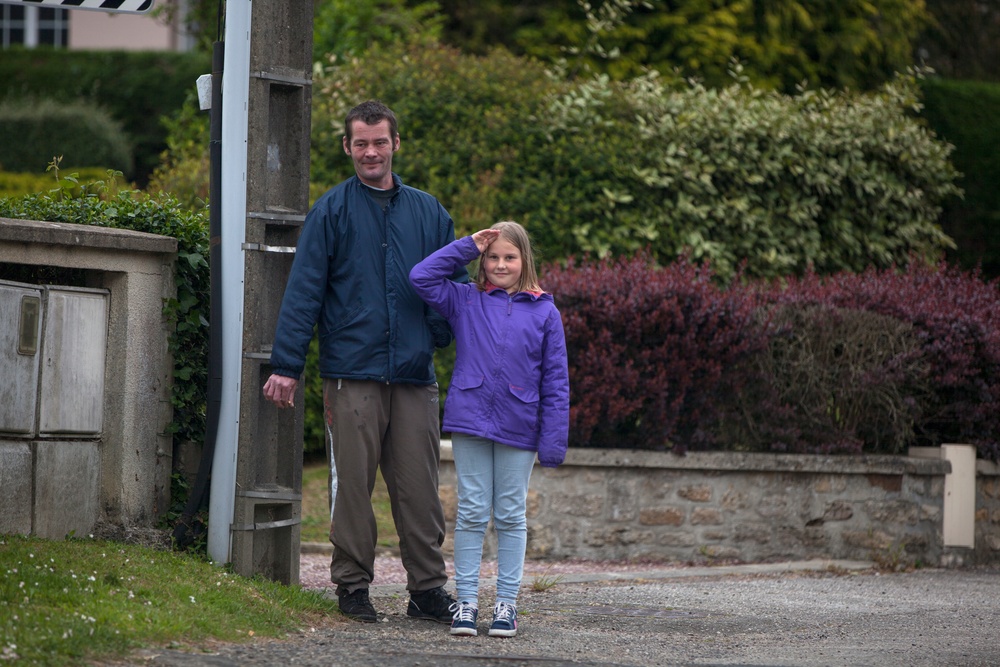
x=280, y=390
x=485, y=237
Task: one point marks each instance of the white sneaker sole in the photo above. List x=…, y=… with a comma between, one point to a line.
x=503, y=633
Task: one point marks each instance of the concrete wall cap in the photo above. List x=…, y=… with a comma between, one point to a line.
x=69, y=234
x=987, y=468
x=749, y=461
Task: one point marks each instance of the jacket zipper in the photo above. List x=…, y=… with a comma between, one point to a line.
x=496, y=373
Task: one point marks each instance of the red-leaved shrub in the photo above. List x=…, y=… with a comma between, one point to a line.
x=955, y=317
x=648, y=349
x=872, y=362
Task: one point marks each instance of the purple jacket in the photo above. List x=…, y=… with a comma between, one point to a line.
x=511, y=382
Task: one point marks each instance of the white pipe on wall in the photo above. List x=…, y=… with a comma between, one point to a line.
x=235, y=103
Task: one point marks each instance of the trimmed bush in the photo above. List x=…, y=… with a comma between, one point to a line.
x=81, y=133
x=821, y=180
x=831, y=381
x=137, y=88
x=831, y=181
x=463, y=121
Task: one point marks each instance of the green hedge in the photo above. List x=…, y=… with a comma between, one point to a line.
x=829, y=181
x=78, y=132
x=967, y=114
x=136, y=87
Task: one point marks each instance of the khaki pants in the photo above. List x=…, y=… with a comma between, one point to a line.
x=394, y=427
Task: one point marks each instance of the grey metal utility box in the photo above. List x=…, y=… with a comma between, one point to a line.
x=87, y=373
x=53, y=345
x=74, y=344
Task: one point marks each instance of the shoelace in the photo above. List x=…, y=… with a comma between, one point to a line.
x=504, y=611
x=463, y=611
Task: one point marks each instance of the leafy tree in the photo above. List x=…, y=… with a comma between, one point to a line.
x=342, y=28
x=202, y=19
x=964, y=113
x=184, y=167
x=479, y=26
x=781, y=43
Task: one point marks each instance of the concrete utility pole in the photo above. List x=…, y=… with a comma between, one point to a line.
x=256, y=494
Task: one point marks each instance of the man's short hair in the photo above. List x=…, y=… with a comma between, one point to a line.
x=371, y=112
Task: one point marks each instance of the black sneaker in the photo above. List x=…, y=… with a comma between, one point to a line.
x=504, y=620
x=434, y=605
x=463, y=620
x=357, y=606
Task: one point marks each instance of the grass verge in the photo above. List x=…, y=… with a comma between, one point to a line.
x=65, y=602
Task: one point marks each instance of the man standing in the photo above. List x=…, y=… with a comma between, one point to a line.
x=376, y=354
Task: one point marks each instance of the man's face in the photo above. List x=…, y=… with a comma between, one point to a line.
x=371, y=147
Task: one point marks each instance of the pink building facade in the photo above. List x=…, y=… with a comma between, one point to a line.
x=34, y=26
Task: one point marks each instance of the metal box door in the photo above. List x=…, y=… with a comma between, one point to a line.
x=74, y=347
x=20, y=335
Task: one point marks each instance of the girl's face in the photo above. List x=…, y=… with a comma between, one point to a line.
x=502, y=261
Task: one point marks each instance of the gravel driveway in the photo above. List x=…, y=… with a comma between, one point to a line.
x=811, y=614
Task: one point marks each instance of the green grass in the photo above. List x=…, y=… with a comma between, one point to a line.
x=65, y=602
x=76, y=600
x=316, y=508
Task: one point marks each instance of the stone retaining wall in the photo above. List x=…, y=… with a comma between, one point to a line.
x=705, y=506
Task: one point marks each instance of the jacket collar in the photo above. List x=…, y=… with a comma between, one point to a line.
x=490, y=288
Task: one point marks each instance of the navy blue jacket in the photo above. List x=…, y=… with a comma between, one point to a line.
x=350, y=276
x=511, y=382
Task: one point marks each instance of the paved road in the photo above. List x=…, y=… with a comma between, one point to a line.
x=798, y=614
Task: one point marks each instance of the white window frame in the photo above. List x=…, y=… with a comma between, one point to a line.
x=32, y=24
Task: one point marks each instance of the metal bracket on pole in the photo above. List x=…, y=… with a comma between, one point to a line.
x=274, y=218
x=268, y=248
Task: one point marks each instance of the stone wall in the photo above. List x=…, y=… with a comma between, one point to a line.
x=705, y=506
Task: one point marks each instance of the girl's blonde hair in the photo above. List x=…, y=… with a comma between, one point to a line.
x=517, y=235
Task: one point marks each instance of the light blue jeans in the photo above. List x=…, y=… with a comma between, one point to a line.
x=490, y=476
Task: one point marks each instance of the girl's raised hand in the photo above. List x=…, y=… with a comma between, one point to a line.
x=485, y=237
